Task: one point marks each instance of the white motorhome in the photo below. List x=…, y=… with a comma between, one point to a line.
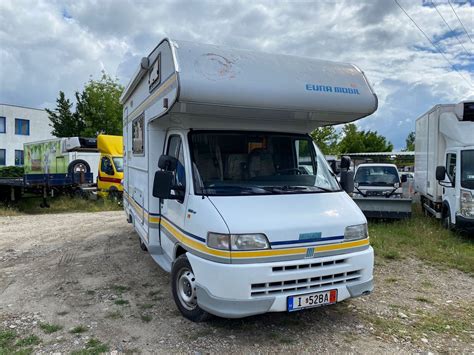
x=444, y=164
x=225, y=187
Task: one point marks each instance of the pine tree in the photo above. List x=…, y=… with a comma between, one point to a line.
x=64, y=122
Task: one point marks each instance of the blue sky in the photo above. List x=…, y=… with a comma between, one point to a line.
x=57, y=45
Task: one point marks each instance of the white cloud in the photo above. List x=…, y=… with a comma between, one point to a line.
x=51, y=46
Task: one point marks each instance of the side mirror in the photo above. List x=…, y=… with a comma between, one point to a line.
x=167, y=162
x=345, y=162
x=440, y=173
x=404, y=178
x=347, y=180
x=163, y=185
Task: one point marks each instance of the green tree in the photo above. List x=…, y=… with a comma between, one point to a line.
x=99, y=106
x=359, y=141
x=64, y=122
x=410, y=142
x=326, y=138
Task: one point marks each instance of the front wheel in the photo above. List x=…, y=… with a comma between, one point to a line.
x=447, y=220
x=183, y=286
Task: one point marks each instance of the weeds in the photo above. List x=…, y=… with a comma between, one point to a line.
x=146, y=318
x=78, y=329
x=50, y=328
x=28, y=341
x=121, y=302
x=423, y=238
x=93, y=347
x=114, y=315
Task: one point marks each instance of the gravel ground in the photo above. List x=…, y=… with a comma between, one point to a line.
x=86, y=269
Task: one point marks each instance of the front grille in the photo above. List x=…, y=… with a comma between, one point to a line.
x=308, y=266
x=304, y=284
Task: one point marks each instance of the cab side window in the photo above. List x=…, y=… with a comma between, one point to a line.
x=175, y=149
x=106, y=166
x=451, y=166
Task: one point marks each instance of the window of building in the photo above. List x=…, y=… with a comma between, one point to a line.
x=22, y=127
x=3, y=125
x=2, y=157
x=19, y=161
x=137, y=135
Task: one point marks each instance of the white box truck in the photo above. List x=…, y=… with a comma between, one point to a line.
x=444, y=164
x=226, y=189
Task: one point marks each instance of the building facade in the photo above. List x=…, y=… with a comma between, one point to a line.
x=19, y=125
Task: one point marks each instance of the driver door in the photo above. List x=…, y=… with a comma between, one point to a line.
x=174, y=211
x=449, y=191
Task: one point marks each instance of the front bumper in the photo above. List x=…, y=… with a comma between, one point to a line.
x=465, y=224
x=241, y=290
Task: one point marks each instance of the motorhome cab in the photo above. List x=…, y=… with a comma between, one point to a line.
x=225, y=187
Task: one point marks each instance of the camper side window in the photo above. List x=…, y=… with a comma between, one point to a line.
x=137, y=135
x=175, y=149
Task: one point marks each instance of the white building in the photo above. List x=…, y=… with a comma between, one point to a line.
x=20, y=125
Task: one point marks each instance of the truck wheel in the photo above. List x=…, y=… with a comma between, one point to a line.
x=183, y=286
x=447, y=220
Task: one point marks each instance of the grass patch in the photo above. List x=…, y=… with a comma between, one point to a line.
x=60, y=204
x=119, y=289
x=93, y=346
x=391, y=280
x=446, y=321
x=7, y=337
x=114, y=315
x=50, y=328
x=90, y=292
x=423, y=300
x=28, y=341
x=121, y=302
x=423, y=238
x=78, y=329
x=62, y=313
x=146, y=318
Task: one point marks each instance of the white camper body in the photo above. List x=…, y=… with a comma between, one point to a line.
x=237, y=234
x=445, y=137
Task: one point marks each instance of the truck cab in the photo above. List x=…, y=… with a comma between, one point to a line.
x=110, y=172
x=444, y=164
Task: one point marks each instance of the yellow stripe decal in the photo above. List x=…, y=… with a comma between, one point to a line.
x=203, y=248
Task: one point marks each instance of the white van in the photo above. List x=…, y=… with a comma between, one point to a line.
x=225, y=187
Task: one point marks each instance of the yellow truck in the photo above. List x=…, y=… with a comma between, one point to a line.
x=110, y=176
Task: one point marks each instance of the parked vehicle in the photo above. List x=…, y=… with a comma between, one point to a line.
x=61, y=162
x=378, y=191
x=444, y=164
x=109, y=179
x=226, y=189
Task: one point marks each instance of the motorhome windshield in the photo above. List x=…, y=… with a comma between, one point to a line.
x=251, y=163
x=376, y=176
x=467, y=169
x=118, y=162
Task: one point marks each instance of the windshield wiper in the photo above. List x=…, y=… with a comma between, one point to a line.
x=293, y=188
x=239, y=188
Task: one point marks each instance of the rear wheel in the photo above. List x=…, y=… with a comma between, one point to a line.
x=183, y=286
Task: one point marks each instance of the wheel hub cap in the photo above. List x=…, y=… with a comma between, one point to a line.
x=187, y=289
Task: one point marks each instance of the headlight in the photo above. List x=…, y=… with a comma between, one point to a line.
x=356, y=232
x=237, y=241
x=467, y=204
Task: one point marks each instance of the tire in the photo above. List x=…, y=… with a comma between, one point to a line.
x=142, y=245
x=446, y=220
x=184, y=290
x=77, y=166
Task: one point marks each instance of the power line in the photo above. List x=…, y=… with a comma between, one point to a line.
x=432, y=43
x=452, y=8
x=439, y=13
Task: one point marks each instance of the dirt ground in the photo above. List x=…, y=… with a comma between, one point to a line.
x=86, y=269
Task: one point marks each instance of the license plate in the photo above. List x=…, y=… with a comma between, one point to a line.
x=310, y=300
